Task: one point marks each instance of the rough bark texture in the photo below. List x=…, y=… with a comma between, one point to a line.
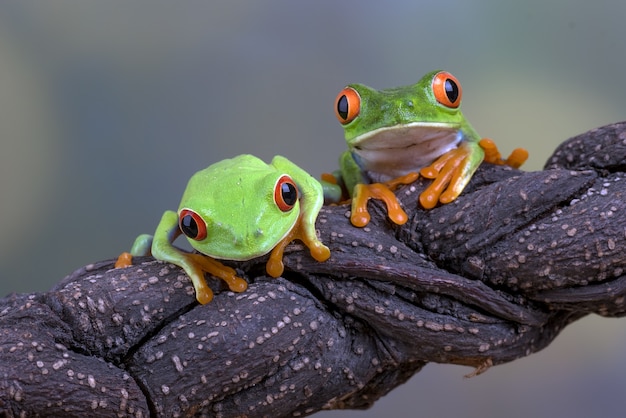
x=492, y=277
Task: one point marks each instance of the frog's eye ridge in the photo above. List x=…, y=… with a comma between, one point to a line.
x=285, y=193
x=447, y=89
x=347, y=105
x=192, y=225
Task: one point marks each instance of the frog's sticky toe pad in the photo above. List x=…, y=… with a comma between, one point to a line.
x=429, y=200
x=204, y=296
x=319, y=252
x=517, y=158
x=274, y=266
x=236, y=284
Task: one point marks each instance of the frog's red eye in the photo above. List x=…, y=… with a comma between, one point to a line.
x=447, y=89
x=285, y=193
x=192, y=224
x=347, y=105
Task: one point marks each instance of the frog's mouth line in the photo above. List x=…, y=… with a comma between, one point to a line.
x=400, y=149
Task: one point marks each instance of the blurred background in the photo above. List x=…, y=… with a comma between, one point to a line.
x=107, y=108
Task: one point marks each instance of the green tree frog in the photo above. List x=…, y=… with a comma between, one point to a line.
x=393, y=134
x=237, y=209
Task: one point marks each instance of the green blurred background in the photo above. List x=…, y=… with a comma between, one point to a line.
x=107, y=108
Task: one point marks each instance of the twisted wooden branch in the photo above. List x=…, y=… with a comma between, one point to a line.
x=490, y=278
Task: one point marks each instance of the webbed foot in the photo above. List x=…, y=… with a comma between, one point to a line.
x=450, y=173
x=360, y=216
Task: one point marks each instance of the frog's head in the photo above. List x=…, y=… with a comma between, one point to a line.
x=403, y=126
x=238, y=212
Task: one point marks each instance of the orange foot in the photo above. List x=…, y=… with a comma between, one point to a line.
x=360, y=217
x=492, y=154
x=319, y=251
x=196, y=264
x=450, y=173
x=124, y=260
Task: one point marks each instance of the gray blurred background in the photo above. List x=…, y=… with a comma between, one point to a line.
x=107, y=108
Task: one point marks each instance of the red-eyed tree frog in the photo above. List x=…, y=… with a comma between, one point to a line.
x=392, y=135
x=237, y=209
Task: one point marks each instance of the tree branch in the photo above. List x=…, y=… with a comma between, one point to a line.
x=489, y=278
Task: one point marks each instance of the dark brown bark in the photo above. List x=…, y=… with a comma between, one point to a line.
x=492, y=277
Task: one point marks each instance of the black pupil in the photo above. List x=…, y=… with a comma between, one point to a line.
x=342, y=107
x=452, y=90
x=189, y=226
x=289, y=193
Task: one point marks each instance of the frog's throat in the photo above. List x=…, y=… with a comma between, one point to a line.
x=398, y=150
x=249, y=249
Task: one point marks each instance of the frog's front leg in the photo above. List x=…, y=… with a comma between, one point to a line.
x=304, y=232
x=362, y=193
x=450, y=173
x=195, y=265
x=304, y=228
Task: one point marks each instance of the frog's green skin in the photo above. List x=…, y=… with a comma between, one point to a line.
x=401, y=130
x=237, y=201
